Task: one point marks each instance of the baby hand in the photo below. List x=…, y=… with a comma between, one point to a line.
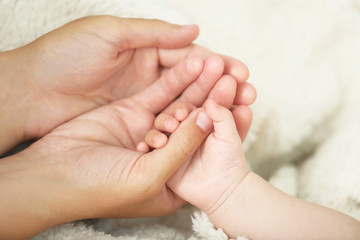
x=216, y=179
x=217, y=168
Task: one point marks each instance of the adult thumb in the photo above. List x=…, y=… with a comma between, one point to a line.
x=187, y=138
x=139, y=33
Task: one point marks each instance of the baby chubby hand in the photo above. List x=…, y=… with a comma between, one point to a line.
x=212, y=173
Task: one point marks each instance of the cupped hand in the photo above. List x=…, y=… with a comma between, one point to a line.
x=88, y=167
x=96, y=150
x=96, y=60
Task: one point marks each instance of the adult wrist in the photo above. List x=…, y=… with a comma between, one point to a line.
x=35, y=195
x=15, y=99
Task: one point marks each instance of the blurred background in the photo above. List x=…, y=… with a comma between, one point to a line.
x=304, y=60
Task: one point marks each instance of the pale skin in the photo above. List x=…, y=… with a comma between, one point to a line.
x=217, y=180
x=89, y=168
x=88, y=63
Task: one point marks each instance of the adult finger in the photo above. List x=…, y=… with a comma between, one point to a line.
x=233, y=67
x=162, y=163
x=243, y=119
x=198, y=91
x=224, y=91
x=161, y=93
x=127, y=33
x=245, y=94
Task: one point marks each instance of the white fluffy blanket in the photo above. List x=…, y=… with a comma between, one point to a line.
x=304, y=58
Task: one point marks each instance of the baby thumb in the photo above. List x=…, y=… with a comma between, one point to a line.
x=224, y=123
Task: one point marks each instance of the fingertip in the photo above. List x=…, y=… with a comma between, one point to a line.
x=181, y=114
x=216, y=63
x=244, y=72
x=156, y=139
x=243, y=119
x=166, y=123
x=245, y=94
x=181, y=110
x=137, y=33
x=244, y=112
x=193, y=29
x=241, y=73
x=224, y=91
x=191, y=67
x=173, y=35
x=237, y=69
x=142, y=147
x=161, y=140
x=171, y=125
x=204, y=122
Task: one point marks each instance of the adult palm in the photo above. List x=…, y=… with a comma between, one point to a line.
x=95, y=159
x=88, y=167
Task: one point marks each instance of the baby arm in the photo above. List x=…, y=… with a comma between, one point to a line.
x=216, y=180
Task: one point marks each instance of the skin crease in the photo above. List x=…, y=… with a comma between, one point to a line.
x=89, y=172
x=83, y=65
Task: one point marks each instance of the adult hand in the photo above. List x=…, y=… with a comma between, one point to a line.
x=88, y=167
x=87, y=63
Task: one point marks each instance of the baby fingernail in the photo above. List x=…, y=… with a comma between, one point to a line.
x=180, y=114
x=170, y=125
x=204, y=122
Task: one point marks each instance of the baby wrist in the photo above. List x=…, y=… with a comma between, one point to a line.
x=230, y=215
x=231, y=193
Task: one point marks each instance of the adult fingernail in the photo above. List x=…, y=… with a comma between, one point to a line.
x=204, y=121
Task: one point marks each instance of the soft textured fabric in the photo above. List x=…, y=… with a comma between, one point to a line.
x=304, y=61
